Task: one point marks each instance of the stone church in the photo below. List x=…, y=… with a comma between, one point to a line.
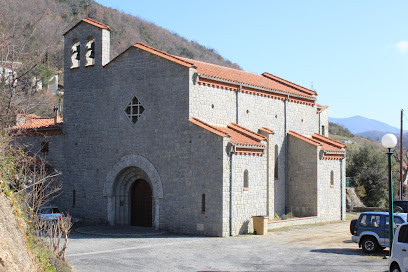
x=153, y=139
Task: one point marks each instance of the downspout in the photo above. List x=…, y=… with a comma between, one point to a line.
x=286, y=155
x=237, y=104
x=320, y=132
x=232, y=151
x=341, y=189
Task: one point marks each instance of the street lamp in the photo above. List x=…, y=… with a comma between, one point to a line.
x=390, y=141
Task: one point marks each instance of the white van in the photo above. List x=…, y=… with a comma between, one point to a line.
x=399, y=255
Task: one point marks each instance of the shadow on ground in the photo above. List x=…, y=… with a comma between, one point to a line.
x=350, y=251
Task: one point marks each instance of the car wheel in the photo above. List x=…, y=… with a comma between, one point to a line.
x=395, y=268
x=398, y=209
x=353, y=226
x=370, y=245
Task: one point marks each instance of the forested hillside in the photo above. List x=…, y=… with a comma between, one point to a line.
x=31, y=48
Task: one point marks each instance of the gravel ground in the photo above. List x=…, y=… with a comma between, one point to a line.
x=320, y=247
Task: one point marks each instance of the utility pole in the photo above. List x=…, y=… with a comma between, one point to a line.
x=401, y=150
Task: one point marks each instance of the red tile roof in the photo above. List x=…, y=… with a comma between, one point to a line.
x=320, y=108
x=269, y=82
x=89, y=21
x=217, y=72
x=267, y=130
x=163, y=54
x=237, y=135
x=290, y=84
x=333, y=149
x=34, y=122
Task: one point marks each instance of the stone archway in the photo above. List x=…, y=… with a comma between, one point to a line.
x=118, y=185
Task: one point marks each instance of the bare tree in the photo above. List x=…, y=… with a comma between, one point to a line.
x=26, y=40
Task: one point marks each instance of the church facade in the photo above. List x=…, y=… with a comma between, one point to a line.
x=153, y=139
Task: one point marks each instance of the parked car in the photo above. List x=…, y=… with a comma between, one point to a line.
x=371, y=230
x=49, y=213
x=399, y=255
x=401, y=206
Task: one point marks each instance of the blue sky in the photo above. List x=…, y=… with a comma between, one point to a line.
x=355, y=53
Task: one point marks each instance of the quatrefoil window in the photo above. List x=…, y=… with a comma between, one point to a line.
x=134, y=110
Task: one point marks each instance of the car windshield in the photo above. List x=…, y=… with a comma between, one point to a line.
x=50, y=210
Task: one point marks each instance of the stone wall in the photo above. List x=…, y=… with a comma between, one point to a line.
x=324, y=122
x=302, y=177
x=331, y=197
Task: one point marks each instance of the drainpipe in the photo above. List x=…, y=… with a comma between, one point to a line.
x=320, y=125
x=232, y=151
x=237, y=104
x=341, y=189
x=286, y=154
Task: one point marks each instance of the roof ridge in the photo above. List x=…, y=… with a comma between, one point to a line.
x=207, y=126
x=306, y=139
x=329, y=141
x=267, y=130
x=246, y=132
x=89, y=21
x=164, y=53
x=287, y=82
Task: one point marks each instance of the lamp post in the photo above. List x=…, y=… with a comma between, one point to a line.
x=390, y=141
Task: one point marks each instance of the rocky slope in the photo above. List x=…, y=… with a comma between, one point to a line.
x=14, y=254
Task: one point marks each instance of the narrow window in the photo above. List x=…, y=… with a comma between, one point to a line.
x=90, y=51
x=276, y=162
x=323, y=131
x=203, y=203
x=44, y=148
x=331, y=179
x=76, y=53
x=246, y=180
x=73, y=198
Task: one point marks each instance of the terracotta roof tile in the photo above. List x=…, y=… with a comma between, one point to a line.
x=237, y=135
x=267, y=130
x=208, y=127
x=163, y=54
x=265, y=81
x=89, y=21
x=327, y=144
x=33, y=121
x=242, y=77
x=320, y=108
x=328, y=140
x=290, y=84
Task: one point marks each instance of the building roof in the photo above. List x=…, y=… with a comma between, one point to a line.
x=320, y=108
x=332, y=148
x=265, y=81
x=217, y=72
x=91, y=22
x=237, y=134
x=34, y=123
x=267, y=130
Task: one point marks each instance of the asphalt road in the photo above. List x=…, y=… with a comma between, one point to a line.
x=305, y=248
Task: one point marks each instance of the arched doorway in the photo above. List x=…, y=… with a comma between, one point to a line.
x=141, y=203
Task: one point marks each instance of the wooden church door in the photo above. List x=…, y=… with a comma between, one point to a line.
x=141, y=204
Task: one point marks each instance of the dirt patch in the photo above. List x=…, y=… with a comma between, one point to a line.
x=14, y=255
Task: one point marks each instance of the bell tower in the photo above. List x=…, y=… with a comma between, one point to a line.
x=87, y=44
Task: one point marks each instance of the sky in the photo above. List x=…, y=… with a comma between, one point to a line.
x=353, y=53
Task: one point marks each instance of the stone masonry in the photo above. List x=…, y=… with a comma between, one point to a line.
x=205, y=138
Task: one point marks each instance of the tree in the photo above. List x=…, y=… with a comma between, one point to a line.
x=27, y=38
x=368, y=166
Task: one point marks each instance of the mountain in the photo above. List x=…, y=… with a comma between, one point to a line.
x=359, y=124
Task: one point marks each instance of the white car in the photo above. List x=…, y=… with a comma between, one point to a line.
x=399, y=255
x=49, y=213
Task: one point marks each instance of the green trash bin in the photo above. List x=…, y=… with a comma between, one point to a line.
x=260, y=224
